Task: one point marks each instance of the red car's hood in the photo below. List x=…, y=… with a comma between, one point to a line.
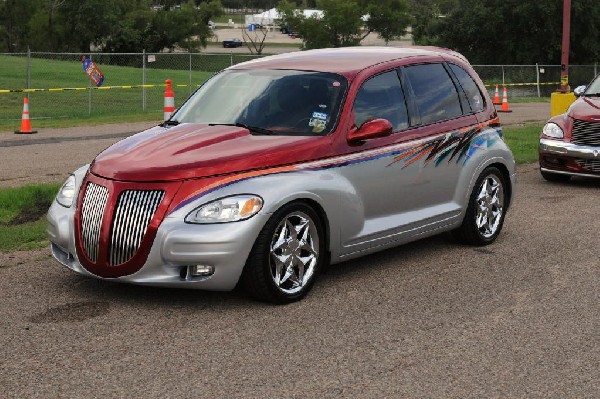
x=192, y=151
x=586, y=108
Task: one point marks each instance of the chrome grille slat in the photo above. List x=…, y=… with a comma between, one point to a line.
x=133, y=213
x=589, y=164
x=92, y=211
x=586, y=133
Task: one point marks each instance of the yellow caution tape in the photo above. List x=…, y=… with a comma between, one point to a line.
x=185, y=85
x=523, y=84
x=89, y=88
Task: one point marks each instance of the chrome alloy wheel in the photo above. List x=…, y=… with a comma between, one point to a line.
x=490, y=205
x=294, y=252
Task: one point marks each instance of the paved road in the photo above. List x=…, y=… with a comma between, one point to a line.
x=519, y=318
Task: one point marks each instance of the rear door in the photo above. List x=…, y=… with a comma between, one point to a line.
x=408, y=180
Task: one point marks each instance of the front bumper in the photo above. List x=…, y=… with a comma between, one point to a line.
x=569, y=159
x=177, y=246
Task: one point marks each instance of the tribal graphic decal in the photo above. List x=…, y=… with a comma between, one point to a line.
x=454, y=146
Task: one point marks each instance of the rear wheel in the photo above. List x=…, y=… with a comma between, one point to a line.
x=287, y=255
x=485, y=213
x=555, y=177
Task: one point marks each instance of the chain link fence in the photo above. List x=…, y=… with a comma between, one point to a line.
x=58, y=87
x=134, y=84
x=533, y=80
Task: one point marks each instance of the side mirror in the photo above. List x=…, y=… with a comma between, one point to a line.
x=371, y=129
x=579, y=90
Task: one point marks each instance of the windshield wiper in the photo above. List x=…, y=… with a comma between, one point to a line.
x=592, y=95
x=253, y=129
x=170, y=122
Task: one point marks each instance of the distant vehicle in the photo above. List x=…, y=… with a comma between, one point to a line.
x=570, y=142
x=294, y=35
x=211, y=25
x=232, y=43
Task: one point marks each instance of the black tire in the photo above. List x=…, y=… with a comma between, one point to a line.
x=259, y=276
x=555, y=177
x=470, y=232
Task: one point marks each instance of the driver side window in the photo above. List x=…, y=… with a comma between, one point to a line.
x=382, y=97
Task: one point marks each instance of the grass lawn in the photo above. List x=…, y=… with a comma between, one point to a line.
x=73, y=108
x=523, y=142
x=22, y=216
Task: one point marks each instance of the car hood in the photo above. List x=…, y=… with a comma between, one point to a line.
x=190, y=151
x=586, y=108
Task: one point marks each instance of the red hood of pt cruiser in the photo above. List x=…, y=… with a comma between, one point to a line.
x=586, y=108
x=190, y=151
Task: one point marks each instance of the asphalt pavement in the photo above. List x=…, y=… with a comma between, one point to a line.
x=433, y=319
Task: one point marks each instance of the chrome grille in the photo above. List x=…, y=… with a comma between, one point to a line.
x=133, y=213
x=92, y=210
x=589, y=164
x=586, y=133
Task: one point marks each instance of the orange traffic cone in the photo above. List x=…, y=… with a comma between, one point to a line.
x=25, y=122
x=169, y=106
x=504, y=102
x=497, y=97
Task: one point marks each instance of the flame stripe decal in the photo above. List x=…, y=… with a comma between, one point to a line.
x=459, y=145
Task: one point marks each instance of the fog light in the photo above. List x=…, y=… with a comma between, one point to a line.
x=201, y=270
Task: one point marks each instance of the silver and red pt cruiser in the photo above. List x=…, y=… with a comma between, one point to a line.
x=278, y=166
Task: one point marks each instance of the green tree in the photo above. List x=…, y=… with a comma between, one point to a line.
x=518, y=32
x=14, y=23
x=342, y=24
x=389, y=18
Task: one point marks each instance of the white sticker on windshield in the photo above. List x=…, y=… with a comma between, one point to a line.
x=319, y=115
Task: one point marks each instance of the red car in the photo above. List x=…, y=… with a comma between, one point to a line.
x=278, y=166
x=570, y=142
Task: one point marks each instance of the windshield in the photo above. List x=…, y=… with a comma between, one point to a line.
x=268, y=101
x=594, y=88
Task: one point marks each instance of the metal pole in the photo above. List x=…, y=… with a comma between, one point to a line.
x=537, y=72
x=502, y=75
x=190, y=86
x=28, y=79
x=564, y=59
x=144, y=80
x=90, y=94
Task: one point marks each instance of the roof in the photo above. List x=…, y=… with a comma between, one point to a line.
x=346, y=61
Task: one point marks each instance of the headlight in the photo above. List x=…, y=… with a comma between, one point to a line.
x=230, y=209
x=66, y=194
x=552, y=130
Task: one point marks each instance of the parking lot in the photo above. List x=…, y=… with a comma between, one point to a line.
x=519, y=318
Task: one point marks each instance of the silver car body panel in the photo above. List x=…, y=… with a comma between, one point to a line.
x=372, y=200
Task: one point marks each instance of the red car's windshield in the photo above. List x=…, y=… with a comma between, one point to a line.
x=274, y=101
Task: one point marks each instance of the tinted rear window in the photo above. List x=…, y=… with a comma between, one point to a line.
x=435, y=94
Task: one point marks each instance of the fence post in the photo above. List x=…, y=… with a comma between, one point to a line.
x=231, y=58
x=190, y=85
x=595, y=73
x=28, y=78
x=537, y=73
x=502, y=75
x=144, y=80
x=90, y=93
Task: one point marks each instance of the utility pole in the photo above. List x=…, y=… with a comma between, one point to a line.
x=566, y=39
x=561, y=99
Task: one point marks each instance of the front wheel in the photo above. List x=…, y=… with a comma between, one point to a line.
x=485, y=213
x=287, y=255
